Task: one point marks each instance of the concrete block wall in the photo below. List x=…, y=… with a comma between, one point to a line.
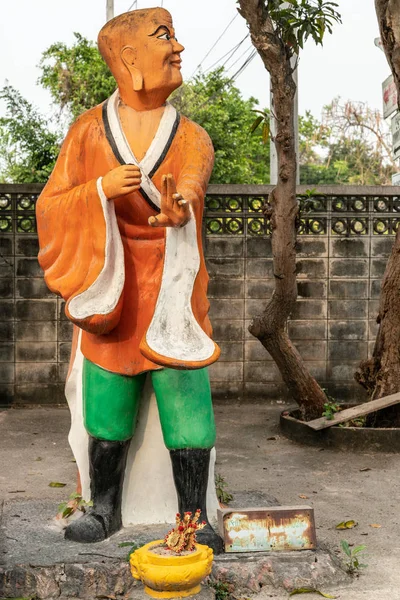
x=334, y=322
x=33, y=332
x=333, y=325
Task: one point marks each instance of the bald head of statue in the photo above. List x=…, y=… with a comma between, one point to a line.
x=142, y=52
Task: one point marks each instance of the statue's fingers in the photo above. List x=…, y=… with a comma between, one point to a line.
x=184, y=209
x=164, y=187
x=129, y=180
x=152, y=221
x=160, y=220
x=131, y=169
x=171, y=189
x=177, y=197
x=169, y=199
x=131, y=186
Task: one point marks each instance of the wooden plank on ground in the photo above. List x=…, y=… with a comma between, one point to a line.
x=356, y=411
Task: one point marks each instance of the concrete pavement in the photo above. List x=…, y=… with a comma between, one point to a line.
x=251, y=456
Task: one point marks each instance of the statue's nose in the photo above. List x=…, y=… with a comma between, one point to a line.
x=178, y=47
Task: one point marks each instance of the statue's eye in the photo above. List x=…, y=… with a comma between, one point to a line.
x=164, y=36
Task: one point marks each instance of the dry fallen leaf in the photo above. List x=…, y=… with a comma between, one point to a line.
x=347, y=525
x=375, y=526
x=303, y=497
x=365, y=470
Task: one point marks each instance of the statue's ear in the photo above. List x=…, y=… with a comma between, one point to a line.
x=128, y=57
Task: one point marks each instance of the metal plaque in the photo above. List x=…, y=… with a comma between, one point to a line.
x=396, y=135
x=389, y=92
x=267, y=529
x=396, y=179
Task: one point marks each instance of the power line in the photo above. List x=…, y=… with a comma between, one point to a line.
x=244, y=65
x=134, y=3
x=235, y=76
x=213, y=46
x=231, y=53
x=236, y=49
x=241, y=56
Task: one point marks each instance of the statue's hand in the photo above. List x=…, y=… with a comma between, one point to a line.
x=175, y=211
x=121, y=181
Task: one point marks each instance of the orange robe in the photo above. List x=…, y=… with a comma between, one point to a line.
x=72, y=233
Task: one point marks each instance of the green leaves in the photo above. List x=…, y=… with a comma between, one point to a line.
x=222, y=494
x=265, y=132
x=65, y=510
x=28, y=146
x=263, y=119
x=310, y=193
x=56, y=484
x=256, y=124
x=353, y=564
x=132, y=545
x=330, y=409
x=302, y=19
x=76, y=76
x=213, y=101
x=75, y=502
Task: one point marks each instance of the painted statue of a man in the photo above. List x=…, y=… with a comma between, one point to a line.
x=120, y=240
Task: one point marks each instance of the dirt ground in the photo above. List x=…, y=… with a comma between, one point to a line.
x=251, y=455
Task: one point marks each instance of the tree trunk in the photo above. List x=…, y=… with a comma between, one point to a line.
x=380, y=375
x=282, y=209
x=388, y=13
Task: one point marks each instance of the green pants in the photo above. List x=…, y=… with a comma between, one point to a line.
x=111, y=405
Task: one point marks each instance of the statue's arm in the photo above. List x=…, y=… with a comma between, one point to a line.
x=197, y=166
x=77, y=232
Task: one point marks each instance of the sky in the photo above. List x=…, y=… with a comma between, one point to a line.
x=349, y=65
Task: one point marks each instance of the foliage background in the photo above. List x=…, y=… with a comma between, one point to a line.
x=335, y=150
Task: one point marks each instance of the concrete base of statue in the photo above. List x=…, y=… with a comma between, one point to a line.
x=38, y=562
x=206, y=593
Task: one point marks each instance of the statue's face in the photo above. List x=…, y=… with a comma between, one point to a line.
x=158, y=52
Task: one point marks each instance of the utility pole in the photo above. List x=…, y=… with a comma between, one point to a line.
x=273, y=177
x=110, y=9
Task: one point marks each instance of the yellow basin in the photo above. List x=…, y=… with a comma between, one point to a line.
x=174, y=575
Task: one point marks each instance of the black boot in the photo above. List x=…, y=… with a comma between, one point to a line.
x=107, y=462
x=190, y=467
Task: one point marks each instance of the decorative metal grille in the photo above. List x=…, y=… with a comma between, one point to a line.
x=319, y=215
x=242, y=214
x=17, y=212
